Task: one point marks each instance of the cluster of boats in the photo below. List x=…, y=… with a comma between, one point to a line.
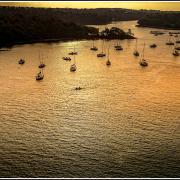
x=41, y=66
x=143, y=62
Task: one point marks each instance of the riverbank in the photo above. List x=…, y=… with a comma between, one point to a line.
x=107, y=34
x=157, y=27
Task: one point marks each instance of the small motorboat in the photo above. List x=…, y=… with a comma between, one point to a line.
x=66, y=58
x=39, y=76
x=21, y=61
x=73, y=67
x=153, y=46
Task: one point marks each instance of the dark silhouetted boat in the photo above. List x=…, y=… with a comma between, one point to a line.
x=42, y=64
x=177, y=48
x=39, y=76
x=66, y=58
x=21, y=61
x=175, y=53
x=108, y=62
x=136, y=53
x=118, y=47
x=93, y=48
x=143, y=62
x=102, y=54
x=73, y=52
x=153, y=46
x=169, y=41
x=73, y=66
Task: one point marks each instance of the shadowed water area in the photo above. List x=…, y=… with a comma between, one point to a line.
x=125, y=122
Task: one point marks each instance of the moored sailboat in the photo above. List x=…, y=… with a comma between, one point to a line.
x=136, y=53
x=42, y=64
x=102, y=54
x=93, y=48
x=73, y=66
x=73, y=52
x=21, y=61
x=169, y=41
x=118, y=47
x=40, y=76
x=143, y=62
x=108, y=62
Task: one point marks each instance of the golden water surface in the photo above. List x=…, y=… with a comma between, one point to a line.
x=125, y=122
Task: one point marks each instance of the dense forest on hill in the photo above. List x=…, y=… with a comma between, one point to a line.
x=161, y=20
x=25, y=24
x=19, y=25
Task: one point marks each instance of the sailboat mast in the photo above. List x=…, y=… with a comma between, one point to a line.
x=108, y=53
x=136, y=45
x=143, y=51
x=102, y=45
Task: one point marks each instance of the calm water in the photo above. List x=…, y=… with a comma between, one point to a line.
x=124, y=123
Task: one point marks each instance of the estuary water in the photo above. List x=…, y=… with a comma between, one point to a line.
x=125, y=122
